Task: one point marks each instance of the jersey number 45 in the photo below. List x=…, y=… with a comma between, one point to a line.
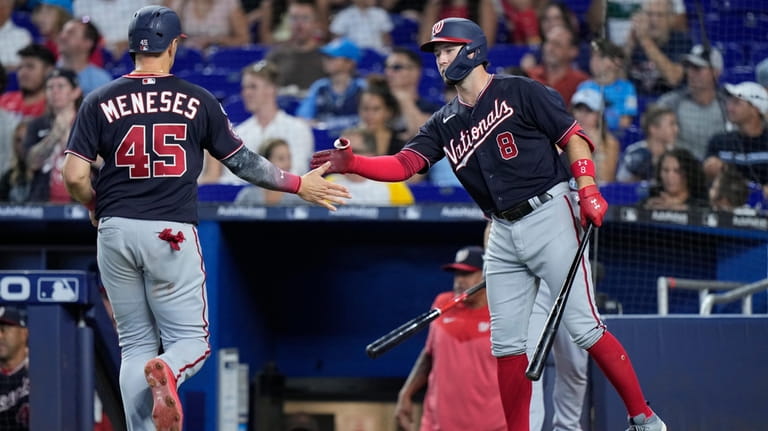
x=135, y=149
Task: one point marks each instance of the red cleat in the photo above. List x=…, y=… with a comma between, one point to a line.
x=166, y=412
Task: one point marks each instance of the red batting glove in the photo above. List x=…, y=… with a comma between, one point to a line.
x=593, y=205
x=342, y=159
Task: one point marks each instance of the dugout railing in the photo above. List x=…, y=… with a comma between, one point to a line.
x=704, y=287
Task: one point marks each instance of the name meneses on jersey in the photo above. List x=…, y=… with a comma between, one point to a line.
x=471, y=138
x=150, y=102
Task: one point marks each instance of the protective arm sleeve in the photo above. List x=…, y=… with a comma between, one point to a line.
x=261, y=172
x=398, y=167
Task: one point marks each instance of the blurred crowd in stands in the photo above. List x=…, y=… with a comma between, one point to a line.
x=673, y=94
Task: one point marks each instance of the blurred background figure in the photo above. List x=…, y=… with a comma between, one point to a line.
x=111, y=17
x=16, y=181
x=277, y=151
x=522, y=21
x=745, y=147
x=638, y=160
x=654, y=49
x=700, y=104
x=607, y=67
x=679, y=184
x=378, y=112
x=49, y=16
x=29, y=100
x=259, y=92
x=14, y=37
x=210, y=23
x=587, y=107
x=483, y=12
x=14, y=369
x=298, y=58
x=729, y=190
x=559, y=50
x=77, y=42
x=365, y=24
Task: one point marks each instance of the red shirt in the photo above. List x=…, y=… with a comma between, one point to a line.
x=14, y=101
x=524, y=23
x=566, y=86
x=462, y=392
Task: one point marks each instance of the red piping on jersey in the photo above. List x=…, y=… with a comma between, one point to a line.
x=205, y=307
x=587, y=281
x=233, y=152
x=563, y=140
x=586, y=137
x=80, y=156
x=136, y=74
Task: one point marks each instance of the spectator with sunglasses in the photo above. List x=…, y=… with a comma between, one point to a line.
x=77, y=42
x=403, y=70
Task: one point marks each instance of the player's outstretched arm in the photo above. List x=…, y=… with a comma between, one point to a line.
x=398, y=167
x=261, y=172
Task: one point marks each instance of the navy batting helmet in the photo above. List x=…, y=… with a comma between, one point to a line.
x=152, y=29
x=464, y=31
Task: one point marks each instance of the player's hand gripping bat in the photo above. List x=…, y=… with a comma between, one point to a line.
x=399, y=334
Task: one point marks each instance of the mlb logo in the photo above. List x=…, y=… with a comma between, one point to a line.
x=144, y=45
x=57, y=289
x=148, y=81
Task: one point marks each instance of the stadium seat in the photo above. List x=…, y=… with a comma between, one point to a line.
x=24, y=20
x=12, y=84
x=733, y=53
x=431, y=86
x=234, y=58
x=235, y=109
x=405, y=30
x=737, y=74
x=631, y=135
x=188, y=59
x=323, y=139
x=503, y=55
x=288, y=103
x=221, y=85
x=371, y=61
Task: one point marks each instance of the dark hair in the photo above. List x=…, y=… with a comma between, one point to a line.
x=652, y=115
x=377, y=86
x=269, y=145
x=691, y=169
x=732, y=186
x=569, y=17
x=606, y=48
x=91, y=32
x=412, y=55
x=35, y=50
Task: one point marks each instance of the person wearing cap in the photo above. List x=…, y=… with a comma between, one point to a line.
x=587, y=106
x=47, y=137
x=14, y=369
x=364, y=23
x=606, y=64
x=332, y=102
x=700, y=104
x=459, y=371
x=456, y=364
x=152, y=128
x=654, y=49
x=77, y=41
x=745, y=147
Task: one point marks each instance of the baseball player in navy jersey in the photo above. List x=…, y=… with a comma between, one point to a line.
x=500, y=135
x=151, y=128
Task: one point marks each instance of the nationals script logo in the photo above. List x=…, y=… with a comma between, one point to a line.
x=469, y=139
x=438, y=27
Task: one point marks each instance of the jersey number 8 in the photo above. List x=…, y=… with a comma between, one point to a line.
x=133, y=151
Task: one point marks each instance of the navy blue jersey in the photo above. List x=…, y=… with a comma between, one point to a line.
x=151, y=132
x=503, y=148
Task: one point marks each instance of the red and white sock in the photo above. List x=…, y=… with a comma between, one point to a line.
x=615, y=364
x=515, y=391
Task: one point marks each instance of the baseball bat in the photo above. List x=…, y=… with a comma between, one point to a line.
x=402, y=332
x=547, y=337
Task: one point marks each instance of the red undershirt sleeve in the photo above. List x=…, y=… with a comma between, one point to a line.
x=398, y=167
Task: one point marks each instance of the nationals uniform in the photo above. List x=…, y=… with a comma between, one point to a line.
x=502, y=147
x=150, y=130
